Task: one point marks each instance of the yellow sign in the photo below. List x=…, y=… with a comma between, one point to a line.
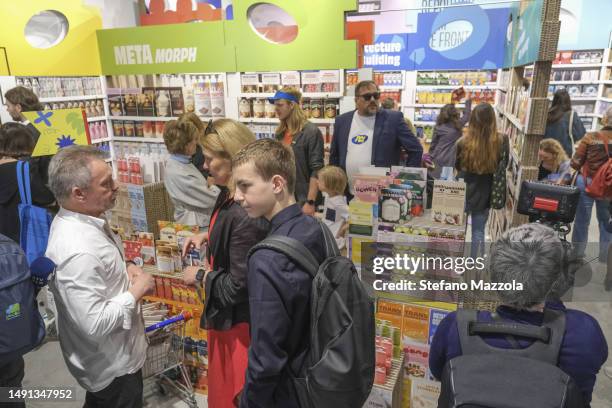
x=58, y=129
x=76, y=54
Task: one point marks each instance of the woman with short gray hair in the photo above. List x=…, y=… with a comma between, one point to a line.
x=534, y=256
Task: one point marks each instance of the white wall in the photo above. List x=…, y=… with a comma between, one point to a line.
x=116, y=13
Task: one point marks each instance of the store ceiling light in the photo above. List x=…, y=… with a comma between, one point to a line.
x=46, y=29
x=272, y=23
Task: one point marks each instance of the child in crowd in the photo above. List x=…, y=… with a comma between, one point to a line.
x=279, y=290
x=332, y=183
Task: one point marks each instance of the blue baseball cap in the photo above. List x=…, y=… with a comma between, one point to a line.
x=282, y=95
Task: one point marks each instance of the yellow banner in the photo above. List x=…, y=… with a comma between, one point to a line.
x=58, y=129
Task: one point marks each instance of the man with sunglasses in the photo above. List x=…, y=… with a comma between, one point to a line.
x=372, y=136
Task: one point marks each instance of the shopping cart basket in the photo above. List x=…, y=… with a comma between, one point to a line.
x=166, y=356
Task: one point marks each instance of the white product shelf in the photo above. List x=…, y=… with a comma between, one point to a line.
x=138, y=139
x=145, y=118
x=573, y=82
x=566, y=66
x=106, y=139
x=71, y=98
x=96, y=119
x=276, y=121
x=309, y=95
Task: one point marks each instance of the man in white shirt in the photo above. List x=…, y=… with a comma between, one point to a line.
x=101, y=330
x=372, y=136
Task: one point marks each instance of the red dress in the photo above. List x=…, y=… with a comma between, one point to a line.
x=227, y=358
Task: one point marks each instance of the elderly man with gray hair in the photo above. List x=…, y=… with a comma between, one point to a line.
x=97, y=294
x=535, y=257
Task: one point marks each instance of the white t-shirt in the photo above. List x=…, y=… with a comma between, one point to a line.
x=359, y=151
x=335, y=213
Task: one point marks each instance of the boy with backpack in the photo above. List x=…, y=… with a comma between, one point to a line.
x=289, y=276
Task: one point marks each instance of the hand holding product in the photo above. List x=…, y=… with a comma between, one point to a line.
x=142, y=284
x=195, y=241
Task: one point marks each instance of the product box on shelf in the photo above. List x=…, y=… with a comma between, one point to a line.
x=417, y=359
x=362, y=218
x=202, y=97
x=271, y=82
x=290, y=78
x=424, y=393
x=389, y=394
x=448, y=206
x=330, y=80
x=311, y=81
x=146, y=102
x=177, y=103
x=175, y=232
x=130, y=101
x=435, y=317
x=249, y=83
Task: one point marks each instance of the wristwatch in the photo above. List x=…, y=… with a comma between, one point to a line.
x=200, y=275
x=310, y=202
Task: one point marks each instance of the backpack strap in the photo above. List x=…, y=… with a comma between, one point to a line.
x=23, y=181
x=331, y=246
x=546, y=346
x=292, y=249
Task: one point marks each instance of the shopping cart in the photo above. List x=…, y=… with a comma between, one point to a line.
x=165, y=358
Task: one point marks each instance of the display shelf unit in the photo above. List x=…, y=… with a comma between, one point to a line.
x=137, y=139
x=70, y=98
x=146, y=118
x=96, y=119
x=523, y=116
x=276, y=120
x=308, y=95
x=104, y=140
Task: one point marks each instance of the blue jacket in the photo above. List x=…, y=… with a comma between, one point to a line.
x=583, y=350
x=279, y=298
x=390, y=134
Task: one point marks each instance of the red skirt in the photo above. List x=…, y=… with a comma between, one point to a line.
x=228, y=356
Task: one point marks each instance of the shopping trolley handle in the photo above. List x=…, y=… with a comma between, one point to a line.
x=183, y=316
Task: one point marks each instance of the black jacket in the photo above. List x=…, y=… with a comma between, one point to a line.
x=279, y=294
x=233, y=234
x=308, y=151
x=478, y=186
x=10, y=200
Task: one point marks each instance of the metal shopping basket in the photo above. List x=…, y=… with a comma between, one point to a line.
x=166, y=356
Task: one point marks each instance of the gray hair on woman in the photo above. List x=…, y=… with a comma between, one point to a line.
x=69, y=168
x=533, y=255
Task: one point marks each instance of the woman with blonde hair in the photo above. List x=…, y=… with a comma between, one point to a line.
x=224, y=276
x=193, y=199
x=554, y=163
x=478, y=154
x=306, y=141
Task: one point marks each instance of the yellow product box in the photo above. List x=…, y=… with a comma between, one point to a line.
x=174, y=232
x=415, y=324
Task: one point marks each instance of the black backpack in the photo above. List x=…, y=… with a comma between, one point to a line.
x=489, y=377
x=338, y=370
x=21, y=325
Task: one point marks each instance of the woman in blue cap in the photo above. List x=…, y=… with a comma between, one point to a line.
x=305, y=139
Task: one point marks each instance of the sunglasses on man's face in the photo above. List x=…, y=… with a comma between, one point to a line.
x=369, y=96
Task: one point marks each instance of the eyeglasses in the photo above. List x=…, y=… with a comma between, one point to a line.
x=210, y=128
x=369, y=96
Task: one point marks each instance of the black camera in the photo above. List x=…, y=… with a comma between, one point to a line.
x=551, y=204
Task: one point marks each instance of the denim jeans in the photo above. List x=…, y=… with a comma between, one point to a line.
x=580, y=236
x=479, y=221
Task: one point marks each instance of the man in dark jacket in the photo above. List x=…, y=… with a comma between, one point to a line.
x=372, y=136
x=279, y=290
